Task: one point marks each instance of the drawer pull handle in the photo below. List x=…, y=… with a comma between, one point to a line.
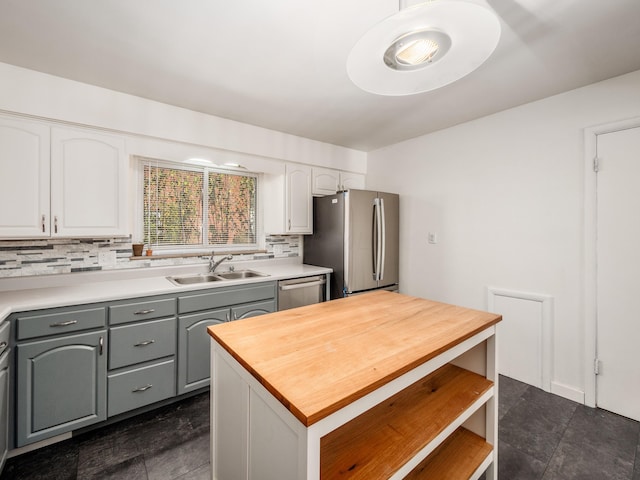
x=3, y=345
x=144, y=343
x=64, y=324
x=144, y=312
x=142, y=389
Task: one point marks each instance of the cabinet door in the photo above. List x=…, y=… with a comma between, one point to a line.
x=298, y=202
x=325, y=181
x=61, y=385
x=253, y=310
x=194, y=348
x=4, y=407
x=351, y=180
x=88, y=184
x=24, y=179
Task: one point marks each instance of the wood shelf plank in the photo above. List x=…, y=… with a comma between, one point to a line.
x=457, y=458
x=377, y=443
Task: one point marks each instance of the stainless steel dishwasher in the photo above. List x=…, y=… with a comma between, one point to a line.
x=297, y=292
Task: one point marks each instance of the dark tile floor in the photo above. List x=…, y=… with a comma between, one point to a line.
x=541, y=437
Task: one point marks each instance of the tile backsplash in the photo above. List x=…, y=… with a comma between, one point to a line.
x=20, y=258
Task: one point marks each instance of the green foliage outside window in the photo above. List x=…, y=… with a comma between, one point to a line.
x=175, y=212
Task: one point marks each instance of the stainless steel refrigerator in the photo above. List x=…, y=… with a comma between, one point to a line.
x=356, y=232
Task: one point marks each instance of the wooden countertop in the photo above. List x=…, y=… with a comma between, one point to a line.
x=319, y=358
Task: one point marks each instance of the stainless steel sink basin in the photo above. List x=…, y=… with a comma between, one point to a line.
x=191, y=279
x=238, y=274
x=216, y=277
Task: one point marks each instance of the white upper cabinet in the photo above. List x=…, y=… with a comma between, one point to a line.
x=351, y=180
x=60, y=182
x=288, y=203
x=24, y=179
x=299, y=202
x=327, y=181
x=88, y=183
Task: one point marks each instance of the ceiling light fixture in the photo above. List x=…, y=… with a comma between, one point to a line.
x=424, y=47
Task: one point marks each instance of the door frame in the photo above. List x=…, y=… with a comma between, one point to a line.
x=589, y=263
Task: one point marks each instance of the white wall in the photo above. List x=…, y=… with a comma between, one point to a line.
x=505, y=195
x=33, y=93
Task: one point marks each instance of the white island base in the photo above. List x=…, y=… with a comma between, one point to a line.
x=436, y=420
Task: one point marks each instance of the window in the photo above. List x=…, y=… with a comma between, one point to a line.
x=180, y=203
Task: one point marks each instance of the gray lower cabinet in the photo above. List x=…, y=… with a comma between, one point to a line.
x=4, y=392
x=142, y=349
x=193, y=348
x=61, y=385
x=196, y=314
x=253, y=310
x=141, y=386
x=80, y=365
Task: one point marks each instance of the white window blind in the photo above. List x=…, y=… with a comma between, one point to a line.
x=177, y=211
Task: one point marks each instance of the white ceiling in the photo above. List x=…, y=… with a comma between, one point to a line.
x=281, y=64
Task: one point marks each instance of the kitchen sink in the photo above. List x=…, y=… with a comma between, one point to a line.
x=216, y=277
x=238, y=274
x=191, y=279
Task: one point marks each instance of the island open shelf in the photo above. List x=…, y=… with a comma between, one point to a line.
x=377, y=443
x=380, y=385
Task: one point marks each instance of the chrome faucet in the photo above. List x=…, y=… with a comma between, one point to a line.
x=213, y=265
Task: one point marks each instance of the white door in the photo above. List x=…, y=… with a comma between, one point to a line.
x=618, y=272
x=24, y=178
x=88, y=184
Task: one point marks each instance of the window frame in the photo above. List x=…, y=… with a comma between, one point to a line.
x=204, y=247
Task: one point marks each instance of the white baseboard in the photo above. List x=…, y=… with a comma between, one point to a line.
x=566, y=391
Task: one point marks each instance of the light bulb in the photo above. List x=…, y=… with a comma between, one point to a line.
x=417, y=51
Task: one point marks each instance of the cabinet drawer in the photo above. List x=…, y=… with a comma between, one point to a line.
x=30, y=326
x=132, y=312
x=141, y=342
x=141, y=386
x=5, y=328
x=226, y=297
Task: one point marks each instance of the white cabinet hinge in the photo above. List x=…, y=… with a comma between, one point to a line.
x=596, y=366
x=596, y=164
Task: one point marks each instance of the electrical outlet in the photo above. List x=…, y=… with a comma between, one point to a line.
x=432, y=238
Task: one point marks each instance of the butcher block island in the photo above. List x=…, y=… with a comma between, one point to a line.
x=374, y=386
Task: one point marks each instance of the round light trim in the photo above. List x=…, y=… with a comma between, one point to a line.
x=470, y=31
x=417, y=50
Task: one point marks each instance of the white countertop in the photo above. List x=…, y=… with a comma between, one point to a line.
x=84, y=292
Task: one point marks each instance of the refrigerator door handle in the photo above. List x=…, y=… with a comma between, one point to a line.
x=383, y=243
x=377, y=238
